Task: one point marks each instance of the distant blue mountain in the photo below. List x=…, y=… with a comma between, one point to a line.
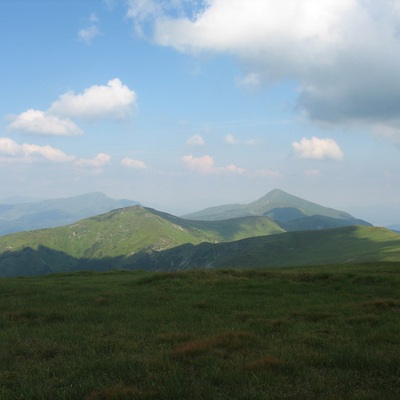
x=52, y=213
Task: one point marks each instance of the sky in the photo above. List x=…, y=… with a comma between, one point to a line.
x=186, y=104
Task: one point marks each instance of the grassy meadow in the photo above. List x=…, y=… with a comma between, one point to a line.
x=302, y=333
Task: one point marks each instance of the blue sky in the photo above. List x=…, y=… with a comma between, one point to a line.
x=186, y=104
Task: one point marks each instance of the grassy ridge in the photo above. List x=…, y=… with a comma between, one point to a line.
x=309, y=333
x=113, y=237
x=151, y=241
x=129, y=230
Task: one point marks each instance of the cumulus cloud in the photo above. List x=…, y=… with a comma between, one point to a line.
x=88, y=34
x=11, y=152
x=99, y=101
x=318, y=149
x=232, y=168
x=98, y=162
x=195, y=140
x=343, y=54
x=206, y=165
x=42, y=123
x=203, y=165
x=114, y=100
x=135, y=164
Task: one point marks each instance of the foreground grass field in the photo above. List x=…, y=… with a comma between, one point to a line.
x=304, y=333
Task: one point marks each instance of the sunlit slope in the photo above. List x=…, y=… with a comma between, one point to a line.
x=124, y=232
x=341, y=245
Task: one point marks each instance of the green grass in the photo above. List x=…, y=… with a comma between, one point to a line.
x=126, y=231
x=305, y=333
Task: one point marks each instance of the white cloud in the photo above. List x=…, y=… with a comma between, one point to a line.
x=135, y=164
x=88, y=34
x=250, y=80
x=343, y=54
x=318, y=149
x=232, y=168
x=98, y=162
x=42, y=123
x=205, y=165
x=113, y=100
x=231, y=139
x=195, y=140
x=96, y=102
x=11, y=152
x=389, y=132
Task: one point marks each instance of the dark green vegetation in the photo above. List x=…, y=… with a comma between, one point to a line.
x=351, y=244
x=304, y=333
x=291, y=212
x=142, y=238
x=51, y=213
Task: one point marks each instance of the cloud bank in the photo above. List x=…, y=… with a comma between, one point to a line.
x=343, y=54
x=11, y=152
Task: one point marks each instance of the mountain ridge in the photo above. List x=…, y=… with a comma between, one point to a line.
x=141, y=237
x=55, y=212
x=283, y=208
x=126, y=231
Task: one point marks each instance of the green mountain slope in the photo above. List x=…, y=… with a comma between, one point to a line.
x=110, y=238
x=355, y=244
x=291, y=212
x=52, y=213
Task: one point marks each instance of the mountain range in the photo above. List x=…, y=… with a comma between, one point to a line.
x=291, y=212
x=51, y=213
x=137, y=237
